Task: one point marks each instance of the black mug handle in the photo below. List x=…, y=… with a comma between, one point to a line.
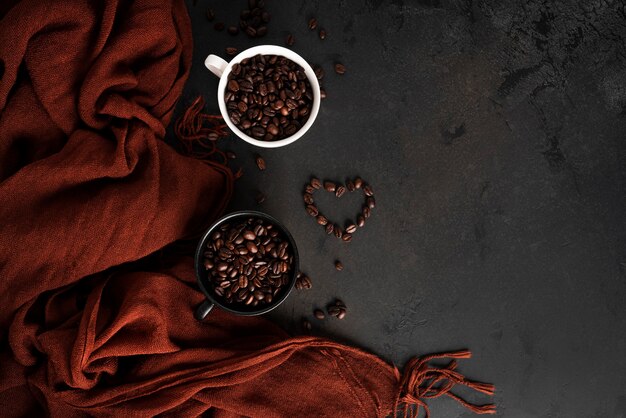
x=203, y=310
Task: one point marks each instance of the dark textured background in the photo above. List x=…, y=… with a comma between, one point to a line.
x=493, y=134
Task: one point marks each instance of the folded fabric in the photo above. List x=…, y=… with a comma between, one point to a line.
x=94, y=320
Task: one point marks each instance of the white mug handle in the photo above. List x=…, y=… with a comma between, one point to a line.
x=215, y=64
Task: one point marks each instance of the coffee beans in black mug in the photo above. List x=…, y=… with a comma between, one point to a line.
x=248, y=262
x=268, y=97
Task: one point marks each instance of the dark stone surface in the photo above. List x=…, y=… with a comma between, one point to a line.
x=494, y=135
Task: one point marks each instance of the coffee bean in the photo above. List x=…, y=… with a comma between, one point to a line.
x=366, y=212
x=330, y=186
x=339, y=302
x=251, y=32
x=316, y=183
x=312, y=210
x=322, y=94
x=219, y=26
x=262, y=31
x=260, y=198
x=231, y=51
x=303, y=282
x=233, y=86
x=210, y=15
x=360, y=221
x=309, y=189
x=358, y=182
x=340, y=69
x=347, y=237
x=370, y=202
x=308, y=198
x=322, y=34
x=319, y=72
x=265, y=17
x=319, y=314
x=306, y=325
x=341, y=314
x=350, y=186
x=340, y=191
x=313, y=23
x=338, y=232
x=260, y=162
x=338, y=265
x=329, y=228
x=290, y=40
x=321, y=219
x=233, y=30
x=351, y=228
x=333, y=310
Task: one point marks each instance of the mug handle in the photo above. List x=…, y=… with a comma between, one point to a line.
x=215, y=64
x=203, y=310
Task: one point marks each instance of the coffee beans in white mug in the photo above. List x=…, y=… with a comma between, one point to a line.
x=268, y=97
x=249, y=263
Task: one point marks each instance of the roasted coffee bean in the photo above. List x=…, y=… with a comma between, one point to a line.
x=319, y=314
x=219, y=26
x=358, y=183
x=351, y=228
x=306, y=325
x=312, y=210
x=231, y=51
x=329, y=228
x=233, y=30
x=260, y=162
x=260, y=198
x=337, y=230
x=340, y=191
x=322, y=34
x=370, y=202
x=309, y=189
x=210, y=15
x=321, y=219
x=330, y=186
x=313, y=23
x=262, y=31
x=333, y=310
x=233, y=86
x=249, y=235
x=303, y=282
x=290, y=40
x=342, y=313
x=316, y=183
x=347, y=237
x=366, y=212
x=340, y=69
x=360, y=221
x=350, y=186
x=338, y=265
x=322, y=94
x=308, y=198
x=319, y=72
x=368, y=190
x=251, y=32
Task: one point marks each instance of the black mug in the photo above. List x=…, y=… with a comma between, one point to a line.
x=202, y=275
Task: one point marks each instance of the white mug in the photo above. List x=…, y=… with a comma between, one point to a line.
x=221, y=68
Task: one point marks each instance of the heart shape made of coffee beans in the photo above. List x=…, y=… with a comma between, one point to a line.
x=339, y=189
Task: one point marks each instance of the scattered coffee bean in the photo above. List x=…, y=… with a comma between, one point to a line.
x=347, y=237
x=338, y=232
x=309, y=189
x=358, y=183
x=231, y=155
x=370, y=202
x=338, y=265
x=277, y=95
x=366, y=212
x=322, y=94
x=322, y=34
x=340, y=69
x=319, y=314
x=342, y=313
x=260, y=162
x=290, y=40
x=350, y=186
x=249, y=262
x=351, y=228
x=337, y=309
x=313, y=23
x=231, y=51
x=306, y=325
x=321, y=219
x=260, y=198
x=316, y=183
x=210, y=15
x=254, y=19
x=308, y=198
x=330, y=186
x=329, y=228
x=319, y=72
x=340, y=191
x=368, y=190
x=233, y=30
x=303, y=282
x=360, y=221
x=219, y=26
